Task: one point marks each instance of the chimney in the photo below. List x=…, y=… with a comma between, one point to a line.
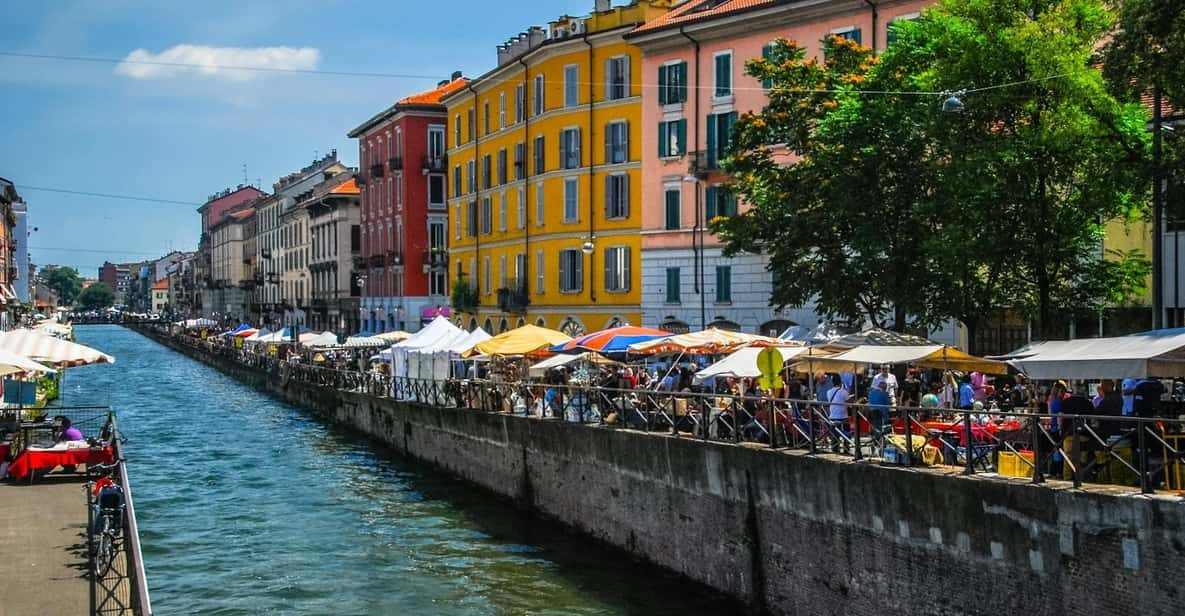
x=602, y=6
x=503, y=54
x=535, y=36
x=442, y=82
x=456, y=75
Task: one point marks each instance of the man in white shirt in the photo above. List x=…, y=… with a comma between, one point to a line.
x=884, y=376
x=837, y=413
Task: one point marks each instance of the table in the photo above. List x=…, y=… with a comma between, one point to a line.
x=34, y=459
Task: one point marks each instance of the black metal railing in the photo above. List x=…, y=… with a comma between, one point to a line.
x=513, y=298
x=435, y=164
x=395, y=163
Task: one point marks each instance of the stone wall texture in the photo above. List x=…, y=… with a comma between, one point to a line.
x=790, y=533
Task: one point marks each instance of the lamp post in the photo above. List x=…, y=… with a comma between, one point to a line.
x=697, y=237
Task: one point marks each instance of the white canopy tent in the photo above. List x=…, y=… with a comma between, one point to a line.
x=263, y=333
x=928, y=356
x=322, y=340
x=539, y=369
x=415, y=357
x=1158, y=353
x=471, y=340
x=743, y=363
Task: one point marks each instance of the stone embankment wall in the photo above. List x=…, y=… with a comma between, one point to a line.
x=791, y=533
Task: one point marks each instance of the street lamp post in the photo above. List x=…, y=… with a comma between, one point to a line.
x=697, y=236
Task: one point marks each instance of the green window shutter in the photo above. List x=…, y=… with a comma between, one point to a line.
x=662, y=85
x=681, y=128
x=711, y=125
x=725, y=122
x=723, y=283
x=724, y=75
x=855, y=35
x=672, y=209
x=673, y=290
x=711, y=195
x=626, y=277
x=681, y=95
x=891, y=35
x=662, y=138
x=729, y=206
x=766, y=51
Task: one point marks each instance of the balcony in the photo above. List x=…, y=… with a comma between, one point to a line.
x=359, y=263
x=514, y=298
x=435, y=164
x=395, y=164
x=464, y=296
x=703, y=162
x=376, y=171
x=436, y=259
x=394, y=258
x=359, y=179
x=378, y=260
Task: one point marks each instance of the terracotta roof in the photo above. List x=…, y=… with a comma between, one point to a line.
x=241, y=214
x=348, y=187
x=699, y=10
x=432, y=97
x=161, y=285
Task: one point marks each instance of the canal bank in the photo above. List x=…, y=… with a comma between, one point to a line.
x=789, y=532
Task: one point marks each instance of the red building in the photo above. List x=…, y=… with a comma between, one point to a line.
x=403, y=178
x=219, y=204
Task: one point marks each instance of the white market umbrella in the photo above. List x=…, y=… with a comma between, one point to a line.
x=41, y=347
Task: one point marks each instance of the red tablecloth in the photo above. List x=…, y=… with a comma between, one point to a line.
x=35, y=459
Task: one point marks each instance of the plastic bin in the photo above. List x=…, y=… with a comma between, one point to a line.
x=1010, y=464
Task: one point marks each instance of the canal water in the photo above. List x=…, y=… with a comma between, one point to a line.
x=250, y=506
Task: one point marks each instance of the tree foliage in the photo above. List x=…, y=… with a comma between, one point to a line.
x=894, y=207
x=96, y=296
x=65, y=281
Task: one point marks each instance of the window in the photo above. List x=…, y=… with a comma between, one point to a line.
x=672, y=138
x=501, y=110
x=436, y=191
x=486, y=275
x=486, y=117
x=502, y=213
x=538, y=101
x=487, y=172
x=435, y=142
x=471, y=123
x=617, y=149
x=471, y=174
x=471, y=219
x=571, y=85
x=672, y=83
x=723, y=284
x=520, y=163
x=570, y=148
x=719, y=134
x=502, y=272
x=571, y=199
x=851, y=34
x=457, y=225
x=617, y=80
x=520, y=102
x=673, y=204
x=539, y=204
x=487, y=215
x=540, y=280
x=673, y=284
x=571, y=272
x=456, y=181
x=520, y=208
x=617, y=269
x=539, y=153
x=723, y=73
x=617, y=196
x=456, y=130
x=501, y=166
x=767, y=51
x=719, y=201
x=520, y=272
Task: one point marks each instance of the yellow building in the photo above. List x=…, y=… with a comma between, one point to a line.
x=545, y=188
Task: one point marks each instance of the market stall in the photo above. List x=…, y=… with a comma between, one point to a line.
x=1150, y=354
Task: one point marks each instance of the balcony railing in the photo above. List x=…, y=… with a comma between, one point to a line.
x=394, y=258
x=378, y=260
x=395, y=164
x=435, y=164
x=703, y=162
x=513, y=298
x=436, y=259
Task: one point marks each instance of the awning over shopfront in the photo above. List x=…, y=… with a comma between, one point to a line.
x=1158, y=353
x=925, y=356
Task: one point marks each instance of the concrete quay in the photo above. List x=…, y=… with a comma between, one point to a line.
x=787, y=532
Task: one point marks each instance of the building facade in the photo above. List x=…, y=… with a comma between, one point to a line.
x=335, y=232
x=282, y=246
x=10, y=202
x=696, y=55
x=212, y=212
x=231, y=275
x=546, y=189
x=160, y=296
x=403, y=167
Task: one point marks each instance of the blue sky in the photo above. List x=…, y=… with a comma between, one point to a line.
x=173, y=134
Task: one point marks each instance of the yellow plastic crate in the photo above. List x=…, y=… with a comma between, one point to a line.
x=1010, y=464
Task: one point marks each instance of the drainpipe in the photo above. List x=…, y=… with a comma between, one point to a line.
x=592, y=185
x=523, y=284
x=875, y=16
x=697, y=248
x=476, y=194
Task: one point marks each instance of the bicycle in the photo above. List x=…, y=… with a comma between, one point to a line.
x=106, y=520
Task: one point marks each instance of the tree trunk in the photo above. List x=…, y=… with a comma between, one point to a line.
x=899, y=317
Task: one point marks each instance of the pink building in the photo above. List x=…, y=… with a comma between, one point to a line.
x=696, y=55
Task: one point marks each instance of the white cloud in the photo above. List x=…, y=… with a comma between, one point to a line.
x=217, y=62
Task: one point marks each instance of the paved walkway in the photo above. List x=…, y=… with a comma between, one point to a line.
x=43, y=547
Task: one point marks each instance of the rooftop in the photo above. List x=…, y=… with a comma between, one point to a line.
x=428, y=98
x=700, y=10
x=161, y=285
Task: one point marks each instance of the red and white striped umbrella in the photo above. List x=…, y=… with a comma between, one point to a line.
x=44, y=348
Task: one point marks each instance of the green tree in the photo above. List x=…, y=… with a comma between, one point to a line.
x=65, y=281
x=96, y=296
x=895, y=205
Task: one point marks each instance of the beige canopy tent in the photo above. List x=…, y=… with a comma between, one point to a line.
x=925, y=356
x=525, y=340
x=39, y=346
x=708, y=341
